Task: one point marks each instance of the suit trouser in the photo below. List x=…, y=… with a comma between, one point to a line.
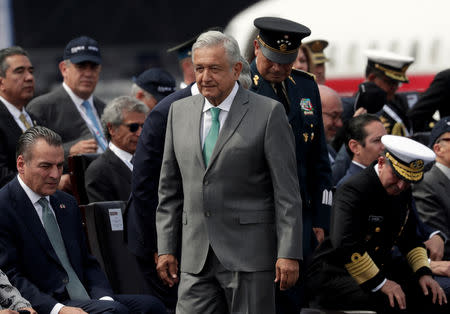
x=123, y=303
x=220, y=291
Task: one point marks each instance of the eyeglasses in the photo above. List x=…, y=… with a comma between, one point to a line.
x=333, y=116
x=133, y=127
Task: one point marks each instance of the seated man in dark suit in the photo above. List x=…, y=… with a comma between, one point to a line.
x=108, y=178
x=42, y=244
x=363, y=142
x=16, y=89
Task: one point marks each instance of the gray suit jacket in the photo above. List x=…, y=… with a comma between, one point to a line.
x=57, y=112
x=433, y=202
x=246, y=204
x=10, y=297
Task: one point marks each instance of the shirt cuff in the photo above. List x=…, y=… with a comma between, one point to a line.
x=57, y=308
x=439, y=233
x=106, y=298
x=379, y=286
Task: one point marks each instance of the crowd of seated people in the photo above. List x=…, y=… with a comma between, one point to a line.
x=43, y=248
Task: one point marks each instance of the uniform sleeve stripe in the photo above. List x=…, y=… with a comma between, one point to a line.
x=417, y=258
x=362, y=268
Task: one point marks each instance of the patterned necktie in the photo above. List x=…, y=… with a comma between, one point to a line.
x=98, y=131
x=279, y=90
x=74, y=286
x=24, y=121
x=211, y=138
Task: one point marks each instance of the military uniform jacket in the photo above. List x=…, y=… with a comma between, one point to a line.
x=393, y=116
x=366, y=224
x=313, y=165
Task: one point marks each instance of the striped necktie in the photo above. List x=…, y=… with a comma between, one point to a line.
x=98, y=131
x=24, y=121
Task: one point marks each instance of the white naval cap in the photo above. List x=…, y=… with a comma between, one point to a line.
x=407, y=156
x=391, y=64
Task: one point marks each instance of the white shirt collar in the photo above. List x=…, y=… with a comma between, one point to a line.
x=226, y=104
x=444, y=169
x=33, y=196
x=123, y=155
x=77, y=100
x=13, y=109
x=359, y=164
x=194, y=89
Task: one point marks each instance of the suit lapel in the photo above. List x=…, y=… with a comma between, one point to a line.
x=118, y=165
x=196, y=116
x=30, y=218
x=63, y=223
x=8, y=119
x=235, y=115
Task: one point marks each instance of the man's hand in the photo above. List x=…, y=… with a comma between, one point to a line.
x=440, y=268
x=320, y=234
x=84, y=147
x=65, y=184
x=167, y=268
x=70, y=310
x=394, y=293
x=360, y=111
x=435, y=246
x=427, y=282
x=286, y=272
x=29, y=309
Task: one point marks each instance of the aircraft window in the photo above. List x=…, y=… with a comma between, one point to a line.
x=414, y=49
x=434, y=51
x=352, y=50
x=373, y=45
x=393, y=46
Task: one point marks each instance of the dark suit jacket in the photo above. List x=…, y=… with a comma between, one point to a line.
x=141, y=229
x=433, y=202
x=436, y=97
x=9, y=136
x=28, y=258
x=352, y=169
x=108, y=179
x=57, y=112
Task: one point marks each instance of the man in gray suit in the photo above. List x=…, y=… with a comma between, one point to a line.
x=71, y=110
x=431, y=195
x=228, y=189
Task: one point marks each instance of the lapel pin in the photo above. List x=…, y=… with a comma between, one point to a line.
x=62, y=206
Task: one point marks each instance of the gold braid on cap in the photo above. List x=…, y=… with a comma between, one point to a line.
x=417, y=258
x=362, y=268
x=412, y=172
x=396, y=75
x=287, y=52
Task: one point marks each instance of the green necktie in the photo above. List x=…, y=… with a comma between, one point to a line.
x=74, y=287
x=211, y=138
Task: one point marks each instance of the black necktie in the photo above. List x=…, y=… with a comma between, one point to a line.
x=282, y=96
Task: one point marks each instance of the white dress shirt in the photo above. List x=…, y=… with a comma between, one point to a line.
x=224, y=109
x=16, y=114
x=444, y=169
x=78, y=104
x=122, y=155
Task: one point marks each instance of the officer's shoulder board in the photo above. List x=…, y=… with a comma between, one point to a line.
x=304, y=74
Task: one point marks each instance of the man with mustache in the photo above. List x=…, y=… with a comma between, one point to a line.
x=16, y=90
x=71, y=110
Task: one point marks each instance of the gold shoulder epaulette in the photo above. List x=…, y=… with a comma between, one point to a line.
x=303, y=73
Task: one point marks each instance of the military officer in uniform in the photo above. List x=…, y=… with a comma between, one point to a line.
x=355, y=268
x=276, y=48
x=317, y=58
x=388, y=70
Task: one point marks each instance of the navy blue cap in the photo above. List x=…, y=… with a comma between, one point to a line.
x=441, y=127
x=83, y=49
x=158, y=82
x=279, y=39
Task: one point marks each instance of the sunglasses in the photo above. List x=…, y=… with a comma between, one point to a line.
x=133, y=127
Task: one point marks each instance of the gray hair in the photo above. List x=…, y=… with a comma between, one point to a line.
x=245, y=78
x=113, y=113
x=7, y=52
x=31, y=136
x=215, y=38
x=136, y=89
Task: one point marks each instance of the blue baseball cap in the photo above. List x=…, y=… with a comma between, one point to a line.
x=82, y=49
x=158, y=82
